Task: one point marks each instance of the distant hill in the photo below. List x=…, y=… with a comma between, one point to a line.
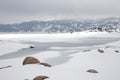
x=62, y=26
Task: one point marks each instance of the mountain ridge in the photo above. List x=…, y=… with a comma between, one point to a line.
x=64, y=25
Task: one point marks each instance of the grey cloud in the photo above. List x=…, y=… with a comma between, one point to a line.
x=59, y=7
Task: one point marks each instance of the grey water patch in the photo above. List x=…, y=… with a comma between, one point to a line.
x=46, y=46
x=64, y=57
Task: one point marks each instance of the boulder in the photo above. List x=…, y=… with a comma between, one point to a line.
x=30, y=60
x=92, y=71
x=40, y=77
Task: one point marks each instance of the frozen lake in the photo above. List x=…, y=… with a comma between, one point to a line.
x=63, y=47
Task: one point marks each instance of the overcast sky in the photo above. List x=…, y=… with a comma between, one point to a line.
x=12, y=11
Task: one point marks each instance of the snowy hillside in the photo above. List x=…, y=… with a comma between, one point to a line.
x=71, y=56
x=63, y=26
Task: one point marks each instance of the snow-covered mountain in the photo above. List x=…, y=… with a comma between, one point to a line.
x=68, y=25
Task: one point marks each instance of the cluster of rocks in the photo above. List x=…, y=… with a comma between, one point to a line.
x=102, y=51
x=33, y=60
x=93, y=70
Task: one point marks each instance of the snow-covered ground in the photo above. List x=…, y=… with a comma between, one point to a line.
x=70, y=55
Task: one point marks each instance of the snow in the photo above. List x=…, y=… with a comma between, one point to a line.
x=70, y=55
x=8, y=46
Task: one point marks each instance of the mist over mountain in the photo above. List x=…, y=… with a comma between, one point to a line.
x=65, y=25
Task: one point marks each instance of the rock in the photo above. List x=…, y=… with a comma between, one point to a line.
x=30, y=60
x=40, y=77
x=32, y=47
x=92, y=71
x=46, y=64
x=101, y=51
x=116, y=51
